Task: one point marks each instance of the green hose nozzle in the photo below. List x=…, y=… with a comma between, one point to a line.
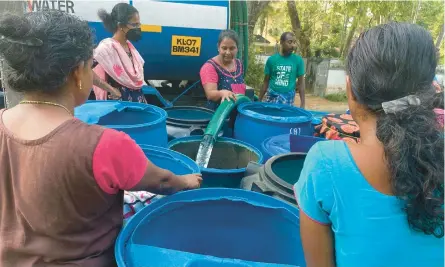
x=221, y=114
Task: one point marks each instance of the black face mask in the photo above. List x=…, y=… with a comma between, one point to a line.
x=134, y=35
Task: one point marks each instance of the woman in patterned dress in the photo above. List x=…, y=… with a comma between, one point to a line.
x=222, y=75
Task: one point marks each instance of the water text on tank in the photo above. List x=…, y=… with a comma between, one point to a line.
x=62, y=5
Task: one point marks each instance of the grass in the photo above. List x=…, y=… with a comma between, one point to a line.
x=337, y=97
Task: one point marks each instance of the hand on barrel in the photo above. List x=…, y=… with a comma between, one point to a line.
x=115, y=94
x=227, y=95
x=192, y=181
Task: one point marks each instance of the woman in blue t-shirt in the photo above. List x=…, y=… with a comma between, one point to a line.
x=380, y=202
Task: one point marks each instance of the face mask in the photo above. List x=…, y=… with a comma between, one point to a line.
x=134, y=35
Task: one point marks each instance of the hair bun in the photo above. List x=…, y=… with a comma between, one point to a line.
x=14, y=26
x=108, y=20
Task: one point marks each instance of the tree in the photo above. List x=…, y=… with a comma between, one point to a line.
x=302, y=34
x=254, y=10
x=294, y=18
x=355, y=23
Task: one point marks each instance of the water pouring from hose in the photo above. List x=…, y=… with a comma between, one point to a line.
x=213, y=128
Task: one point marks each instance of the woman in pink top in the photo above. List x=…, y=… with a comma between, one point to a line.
x=61, y=180
x=222, y=76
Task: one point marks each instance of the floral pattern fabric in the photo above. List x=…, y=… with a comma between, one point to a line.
x=338, y=127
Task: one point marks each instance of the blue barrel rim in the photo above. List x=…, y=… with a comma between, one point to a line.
x=201, y=194
x=175, y=120
x=313, y=139
x=194, y=167
x=242, y=109
x=318, y=112
x=223, y=139
x=267, y=141
x=162, y=113
x=270, y=175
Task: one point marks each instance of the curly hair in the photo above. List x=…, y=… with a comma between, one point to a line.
x=389, y=62
x=42, y=48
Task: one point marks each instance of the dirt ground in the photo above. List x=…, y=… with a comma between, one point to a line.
x=322, y=104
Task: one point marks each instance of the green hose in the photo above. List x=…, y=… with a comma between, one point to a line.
x=222, y=112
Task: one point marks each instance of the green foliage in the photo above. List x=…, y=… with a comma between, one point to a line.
x=337, y=97
x=254, y=75
x=327, y=24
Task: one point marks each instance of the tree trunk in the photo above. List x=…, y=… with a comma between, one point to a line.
x=12, y=98
x=254, y=9
x=351, y=33
x=266, y=28
x=349, y=39
x=417, y=11
x=262, y=19
x=303, y=41
x=440, y=36
x=345, y=28
x=294, y=18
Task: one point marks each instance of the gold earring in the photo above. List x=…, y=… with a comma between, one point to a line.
x=80, y=85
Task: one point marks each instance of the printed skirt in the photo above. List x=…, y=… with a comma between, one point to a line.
x=287, y=98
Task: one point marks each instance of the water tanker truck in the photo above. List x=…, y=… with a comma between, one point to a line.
x=178, y=37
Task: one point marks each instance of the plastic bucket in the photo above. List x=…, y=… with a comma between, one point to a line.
x=212, y=227
x=146, y=124
x=227, y=163
x=258, y=121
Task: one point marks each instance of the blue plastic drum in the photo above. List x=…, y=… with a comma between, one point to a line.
x=212, y=227
x=167, y=159
x=275, y=145
x=173, y=161
x=183, y=121
x=317, y=117
x=303, y=143
x=228, y=160
x=258, y=121
x=146, y=124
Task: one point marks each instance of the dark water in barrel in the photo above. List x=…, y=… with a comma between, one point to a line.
x=288, y=169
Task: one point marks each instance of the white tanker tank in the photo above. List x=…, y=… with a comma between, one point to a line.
x=178, y=36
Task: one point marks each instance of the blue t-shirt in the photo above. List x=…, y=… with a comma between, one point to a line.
x=370, y=228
